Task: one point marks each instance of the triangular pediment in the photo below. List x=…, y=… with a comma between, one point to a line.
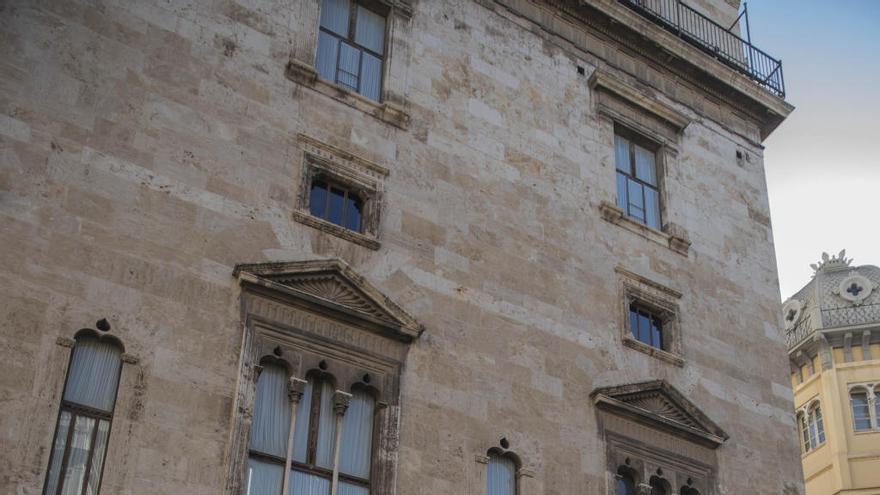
x=333, y=286
x=660, y=405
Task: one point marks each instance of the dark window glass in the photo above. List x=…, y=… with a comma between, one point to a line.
x=638, y=193
x=645, y=326
x=351, y=46
x=336, y=204
x=625, y=486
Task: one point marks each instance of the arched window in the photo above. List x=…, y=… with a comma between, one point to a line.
x=817, y=428
x=626, y=481
x=500, y=475
x=659, y=486
x=78, y=452
x=877, y=406
x=313, y=457
x=805, y=430
x=861, y=410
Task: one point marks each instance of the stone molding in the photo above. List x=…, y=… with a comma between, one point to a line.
x=306, y=76
x=659, y=405
x=333, y=287
x=676, y=239
x=602, y=79
x=660, y=299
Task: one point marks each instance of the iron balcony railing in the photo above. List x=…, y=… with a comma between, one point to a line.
x=714, y=39
x=851, y=315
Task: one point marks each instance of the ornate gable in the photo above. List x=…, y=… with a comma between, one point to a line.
x=331, y=285
x=659, y=405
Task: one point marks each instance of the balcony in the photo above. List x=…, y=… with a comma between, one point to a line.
x=714, y=39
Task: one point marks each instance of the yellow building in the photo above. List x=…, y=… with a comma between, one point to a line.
x=832, y=328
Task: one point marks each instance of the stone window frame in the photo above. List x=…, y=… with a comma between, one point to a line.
x=524, y=475
x=660, y=300
x=321, y=316
x=356, y=174
x=645, y=463
x=126, y=393
x=625, y=107
x=302, y=356
x=872, y=389
x=391, y=105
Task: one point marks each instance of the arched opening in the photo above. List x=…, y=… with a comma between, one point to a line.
x=660, y=486
x=626, y=481
x=861, y=410
x=89, y=399
x=501, y=473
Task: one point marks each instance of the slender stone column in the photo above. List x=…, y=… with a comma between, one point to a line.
x=295, y=387
x=340, y=405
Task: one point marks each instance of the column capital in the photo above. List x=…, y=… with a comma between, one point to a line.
x=341, y=400
x=295, y=388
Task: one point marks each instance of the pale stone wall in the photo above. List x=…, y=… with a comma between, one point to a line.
x=149, y=146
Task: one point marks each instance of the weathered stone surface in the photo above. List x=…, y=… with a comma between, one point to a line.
x=148, y=147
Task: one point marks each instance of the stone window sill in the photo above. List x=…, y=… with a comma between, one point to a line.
x=653, y=351
x=336, y=230
x=306, y=75
x=675, y=239
x=813, y=450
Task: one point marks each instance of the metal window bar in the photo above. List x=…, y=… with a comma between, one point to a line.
x=714, y=39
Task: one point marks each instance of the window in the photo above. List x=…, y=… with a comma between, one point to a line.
x=811, y=426
x=645, y=326
x=865, y=406
x=78, y=452
x=500, y=475
x=659, y=486
x=638, y=189
x=318, y=416
x=351, y=46
x=860, y=409
x=626, y=481
x=336, y=204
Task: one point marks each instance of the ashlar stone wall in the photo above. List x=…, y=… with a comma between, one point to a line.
x=147, y=147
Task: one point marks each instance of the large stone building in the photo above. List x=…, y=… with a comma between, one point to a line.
x=400, y=246
x=832, y=329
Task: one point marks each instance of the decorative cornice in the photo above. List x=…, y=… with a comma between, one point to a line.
x=605, y=80
x=659, y=405
x=332, y=286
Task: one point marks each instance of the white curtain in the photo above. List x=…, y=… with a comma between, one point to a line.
x=357, y=436
x=621, y=154
x=264, y=478
x=349, y=489
x=500, y=476
x=371, y=76
x=308, y=484
x=301, y=425
x=58, y=452
x=370, y=30
x=98, y=457
x=271, y=413
x=335, y=16
x=325, y=59
x=80, y=445
x=93, y=374
x=646, y=170
x=326, y=427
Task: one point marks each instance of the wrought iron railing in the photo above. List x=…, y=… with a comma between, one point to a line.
x=851, y=315
x=714, y=39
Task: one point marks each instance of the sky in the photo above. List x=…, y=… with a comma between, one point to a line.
x=823, y=162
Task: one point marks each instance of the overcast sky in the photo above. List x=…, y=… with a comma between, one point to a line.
x=823, y=170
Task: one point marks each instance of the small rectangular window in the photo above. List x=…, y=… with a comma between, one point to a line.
x=645, y=326
x=336, y=204
x=638, y=189
x=351, y=46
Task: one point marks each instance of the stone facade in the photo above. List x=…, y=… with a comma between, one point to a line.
x=148, y=148
x=832, y=327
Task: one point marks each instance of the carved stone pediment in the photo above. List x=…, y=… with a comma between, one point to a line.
x=659, y=405
x=332, y=286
